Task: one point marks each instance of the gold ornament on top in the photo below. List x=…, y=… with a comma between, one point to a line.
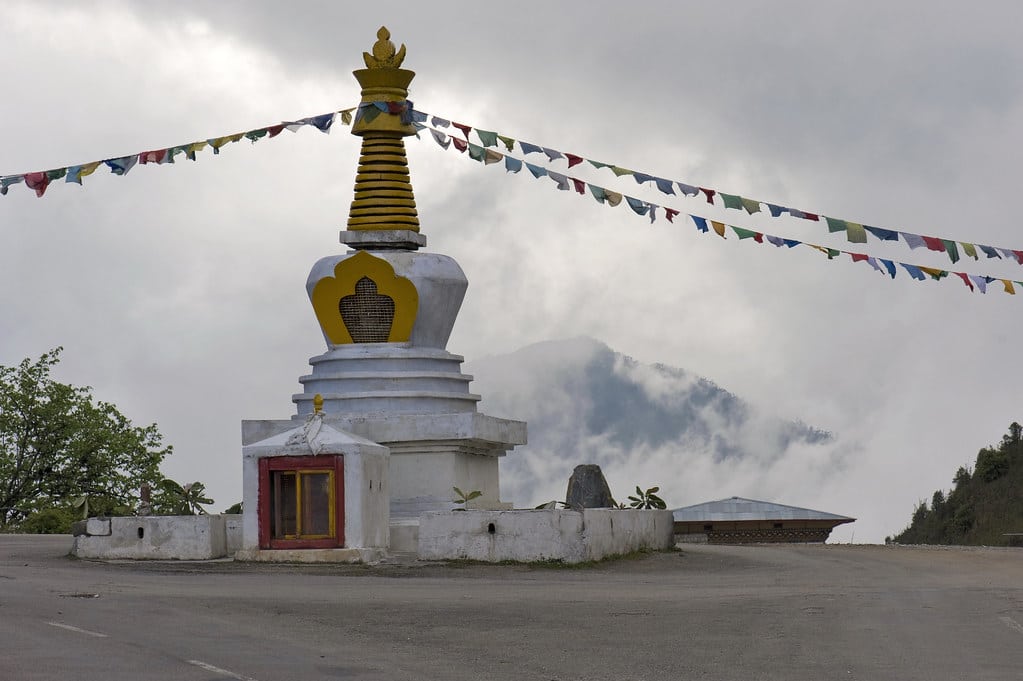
x=384, y=55
x=383, y=200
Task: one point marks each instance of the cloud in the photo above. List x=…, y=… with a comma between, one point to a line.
x=178, y=290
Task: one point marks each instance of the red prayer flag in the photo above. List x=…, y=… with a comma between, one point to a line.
x=275, y=130
x=966, y=279
x=461, y=145
x=1019, y=256
x=466, y=129
x=37, y=181
x=709, y=194
x=758, y=237
x=580, y=186
x=670, y=213
x=573, y=159
x=934, y=243
x=152, y=156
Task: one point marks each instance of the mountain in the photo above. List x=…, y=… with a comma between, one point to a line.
x=983, y=506
x=644, y=424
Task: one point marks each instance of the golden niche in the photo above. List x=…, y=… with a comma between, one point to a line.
x=365, y=302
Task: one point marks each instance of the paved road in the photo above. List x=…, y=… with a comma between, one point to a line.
x=755, y=612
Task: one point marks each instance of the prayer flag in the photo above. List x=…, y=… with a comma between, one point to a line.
x=579, y=185
x=688, y=189
x=883, y=234
x=559, y=179
x=952, y=250
x=637, y=206
x=613, y=198
x=731, y=200
x=538, y=171
x=709, y=193
x=670, y=214
x=855, y=233
x=664, y=185
x=701, y=223
x=913, y=240
x=512, y=165
x=37, y=181
x=528, y=148
x=508, y=142
x=552, y=154
x=489, y=139
x=719, y=227
x=573, y=160
x=492, y=156
x=835, y=225
x=751, y=205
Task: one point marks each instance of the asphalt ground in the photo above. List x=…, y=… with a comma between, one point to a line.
x=704, y=612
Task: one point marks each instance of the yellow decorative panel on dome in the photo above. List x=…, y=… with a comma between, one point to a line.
x=365, y=302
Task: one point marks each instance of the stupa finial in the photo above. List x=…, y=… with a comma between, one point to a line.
x=383, y=212
x=384, y=55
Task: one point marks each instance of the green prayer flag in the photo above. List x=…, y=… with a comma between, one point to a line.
x=731, y=200
x=56, y=173
x=489, y=139
x=598, y=193
x=598, y=165
x=969, y=249
x=751, y=205
x=855, y=233
x=621, y=171
x=833, y=253
x=509, y=143
x=476, y=152
x=952, y=250
x=346, y=117
x=743, y=233
x=835, y=225
x=254, y=135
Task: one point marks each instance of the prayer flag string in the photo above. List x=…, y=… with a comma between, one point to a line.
x=606, y=196
x=855, y=232
x=41, y=180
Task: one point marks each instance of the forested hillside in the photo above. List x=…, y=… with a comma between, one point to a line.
x=983, y=506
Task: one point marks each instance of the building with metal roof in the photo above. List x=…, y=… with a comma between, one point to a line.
x=736, y=520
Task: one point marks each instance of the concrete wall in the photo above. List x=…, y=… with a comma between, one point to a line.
x=367, y=499
x=199, y=537
x=569, y=536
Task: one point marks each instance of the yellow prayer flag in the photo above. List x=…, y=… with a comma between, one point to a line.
x=88, y=169
x=613, y=198
x=1009, y=288
x=719, y=227
x=855, y=233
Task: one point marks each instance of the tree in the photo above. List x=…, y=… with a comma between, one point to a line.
x=58, y=443
x=178, y=499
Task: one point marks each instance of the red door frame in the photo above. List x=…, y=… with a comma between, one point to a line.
x=334, y=462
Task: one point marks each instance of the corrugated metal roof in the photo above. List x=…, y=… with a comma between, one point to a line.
x=737, y=508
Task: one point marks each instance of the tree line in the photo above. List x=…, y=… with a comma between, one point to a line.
x=984, y=505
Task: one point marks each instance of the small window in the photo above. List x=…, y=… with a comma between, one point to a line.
x=708, y=528
x=301, y=502
x=777, y=526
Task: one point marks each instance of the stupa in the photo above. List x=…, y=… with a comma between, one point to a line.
x=386, y=382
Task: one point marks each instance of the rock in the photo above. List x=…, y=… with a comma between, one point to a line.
x=587, y=488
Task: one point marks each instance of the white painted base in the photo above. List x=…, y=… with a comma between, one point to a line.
x=311, y=556
x=190, y=537
x=405, y=536
x=527, y=536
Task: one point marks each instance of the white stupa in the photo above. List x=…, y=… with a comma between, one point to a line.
x=386, y=310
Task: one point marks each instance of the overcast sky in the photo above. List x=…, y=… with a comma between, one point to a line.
x=178, y=290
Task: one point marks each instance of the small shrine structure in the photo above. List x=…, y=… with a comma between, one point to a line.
x=385, y=425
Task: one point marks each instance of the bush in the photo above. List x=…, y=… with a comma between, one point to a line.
x=48, y=521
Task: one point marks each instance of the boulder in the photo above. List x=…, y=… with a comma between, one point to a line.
x=587, y=488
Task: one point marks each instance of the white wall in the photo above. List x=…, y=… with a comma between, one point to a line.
x=569, y=536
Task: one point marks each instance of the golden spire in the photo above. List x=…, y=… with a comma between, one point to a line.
x=383, y=191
